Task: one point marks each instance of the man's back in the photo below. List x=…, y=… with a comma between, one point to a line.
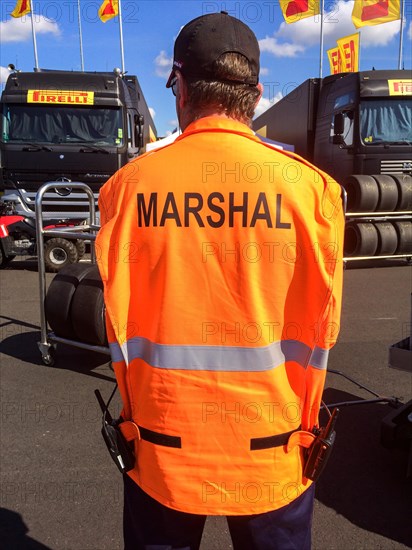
x=223, y=296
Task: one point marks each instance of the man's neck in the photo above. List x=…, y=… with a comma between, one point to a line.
x=187, y=118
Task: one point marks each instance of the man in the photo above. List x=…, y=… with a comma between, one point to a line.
x=222, y=265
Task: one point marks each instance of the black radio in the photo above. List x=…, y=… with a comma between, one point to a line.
x=119, y=449
x=321, y=449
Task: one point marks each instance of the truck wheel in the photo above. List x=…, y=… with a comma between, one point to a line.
x=404, y=183
x=387, y=239
x=404, y=233
x=58, y=253
x=4, y=260
x=361, y=239
x=81, y=248
x=388, y=193
x=59, y=298
x=363, y=193
x=87, y=310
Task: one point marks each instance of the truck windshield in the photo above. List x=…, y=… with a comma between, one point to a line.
x=386, y=121
x=49, y=124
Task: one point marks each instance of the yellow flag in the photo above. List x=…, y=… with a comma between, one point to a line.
x=294, y=10
x=108, y=10
x=349, y=53
x=375, y=12
x=335, y=60
x=22, y=8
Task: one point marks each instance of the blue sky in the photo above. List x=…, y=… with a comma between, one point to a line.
x=290, y=53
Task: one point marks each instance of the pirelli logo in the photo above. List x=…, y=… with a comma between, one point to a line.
x=400, y=87
x=60, y=97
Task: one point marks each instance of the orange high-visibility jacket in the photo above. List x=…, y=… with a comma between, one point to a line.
x=222, y=266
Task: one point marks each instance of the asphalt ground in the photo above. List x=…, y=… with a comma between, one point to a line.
x=60, y=490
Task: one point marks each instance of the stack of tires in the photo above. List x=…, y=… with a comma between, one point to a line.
x=378, y=234
x=74, y=305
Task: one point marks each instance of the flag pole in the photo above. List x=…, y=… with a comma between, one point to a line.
x=322, y=6
x=401, y=36
x=121, y=35
x=80, y=36
x=36, y=61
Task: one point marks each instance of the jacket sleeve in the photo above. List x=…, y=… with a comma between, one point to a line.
x=107, y=199
x=120, y=369
x=328, y=326
x=109, y=204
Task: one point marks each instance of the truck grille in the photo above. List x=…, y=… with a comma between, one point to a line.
x=396, y=166
x=74, y=205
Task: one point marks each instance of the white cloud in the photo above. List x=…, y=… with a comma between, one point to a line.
x=163, y=64
x=278, y=49
x=409, y=33
x=290, y=40
x=19, y=30
x=4, y=75
x=336, y=23
x=152, y=112
x=264, y=71
x=305, y=32
x=372, y=36
x=265, y=103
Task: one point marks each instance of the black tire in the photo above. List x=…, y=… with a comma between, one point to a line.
x=388, y=193
x=4, y=260
x=81, y=247
x=387, y=239
x=58, y=253
x=362, y=192
x=361, y=239
x=5, y=244
x=404, y=183
x=59, y=299
x=404, y=232
x=88, y=312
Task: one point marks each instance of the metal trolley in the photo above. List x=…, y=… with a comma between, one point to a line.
x=49, y=340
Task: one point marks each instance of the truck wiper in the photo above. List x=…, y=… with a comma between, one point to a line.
x=91, y=149
x=36, y=147
x=388, y=143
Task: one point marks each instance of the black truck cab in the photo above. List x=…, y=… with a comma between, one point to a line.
x=364, y=124
x=68, y=126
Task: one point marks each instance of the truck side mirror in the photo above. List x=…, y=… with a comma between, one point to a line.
x=338, y=129
x=139, y=122
x=5, y=128
x=338, y=124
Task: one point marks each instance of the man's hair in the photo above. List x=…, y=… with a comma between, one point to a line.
x=235, y=100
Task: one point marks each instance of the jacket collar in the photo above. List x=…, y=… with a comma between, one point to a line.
x=216, y=123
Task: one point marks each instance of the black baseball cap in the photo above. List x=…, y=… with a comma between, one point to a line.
x=204, y=39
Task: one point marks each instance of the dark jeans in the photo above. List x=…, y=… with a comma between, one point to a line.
x=148, y=525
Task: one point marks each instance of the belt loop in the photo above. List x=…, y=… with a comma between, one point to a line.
x=301, y=438
x=130, y=430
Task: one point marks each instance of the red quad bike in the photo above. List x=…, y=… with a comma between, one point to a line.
x=18, y=237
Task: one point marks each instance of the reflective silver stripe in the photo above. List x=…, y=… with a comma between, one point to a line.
x=116, y=352
x=319, y=358
x=219, y=358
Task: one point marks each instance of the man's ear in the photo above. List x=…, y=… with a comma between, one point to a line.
x=260, y=88
x=182, y=90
